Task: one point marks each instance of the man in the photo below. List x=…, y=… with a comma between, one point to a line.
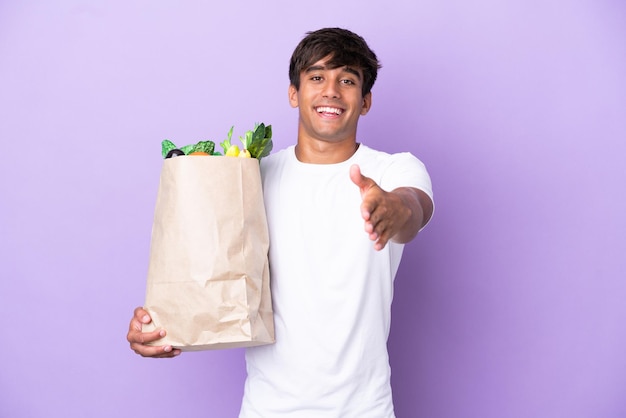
x=338, y=215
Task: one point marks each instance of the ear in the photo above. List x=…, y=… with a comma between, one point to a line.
x=367, y=104
x=293, y=96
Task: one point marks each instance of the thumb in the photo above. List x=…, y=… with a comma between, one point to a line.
x=364, y=183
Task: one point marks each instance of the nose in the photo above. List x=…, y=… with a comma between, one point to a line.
x=331, y=90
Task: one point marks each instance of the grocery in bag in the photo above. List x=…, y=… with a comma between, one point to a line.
x=208, y=278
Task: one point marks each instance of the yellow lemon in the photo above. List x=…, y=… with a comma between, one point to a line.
x=233, y=151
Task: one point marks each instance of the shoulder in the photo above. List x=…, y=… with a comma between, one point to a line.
x=383, y=161
x=275, y=162
x=276, y=157
x=395, y=170
x=382, y=157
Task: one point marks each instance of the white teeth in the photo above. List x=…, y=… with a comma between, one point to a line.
x=326, y=109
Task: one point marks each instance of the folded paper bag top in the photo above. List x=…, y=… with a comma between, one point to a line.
x=208, y=275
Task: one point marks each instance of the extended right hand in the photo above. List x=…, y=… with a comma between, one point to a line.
x=138, y=340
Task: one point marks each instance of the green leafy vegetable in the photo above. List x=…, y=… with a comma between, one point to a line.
x=258, y=141
x=166, y=147
x=204, y=146
x=187, y=148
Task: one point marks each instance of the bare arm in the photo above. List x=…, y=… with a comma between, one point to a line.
x=397, y=215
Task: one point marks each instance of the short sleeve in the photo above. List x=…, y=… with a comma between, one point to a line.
x=406, y=170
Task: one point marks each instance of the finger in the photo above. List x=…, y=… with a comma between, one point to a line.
x=136, y=323
x=139, y=344
x=148, y=337
x=378, y=220
x=380, y=244
x=142, y=315
x=382, y=238
x=379, y=228
x=378, y=233
x=164, y=351
x=136, y=334
x=372, y=222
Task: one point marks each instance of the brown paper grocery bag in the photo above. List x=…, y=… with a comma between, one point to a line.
x=208, y=276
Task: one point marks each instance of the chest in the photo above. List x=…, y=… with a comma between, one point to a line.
x=313, y=205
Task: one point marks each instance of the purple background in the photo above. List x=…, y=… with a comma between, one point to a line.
x=511, y=304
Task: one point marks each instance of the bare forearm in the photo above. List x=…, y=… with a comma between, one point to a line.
x=418, y=210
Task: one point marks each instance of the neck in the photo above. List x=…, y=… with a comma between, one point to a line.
x=325, y=152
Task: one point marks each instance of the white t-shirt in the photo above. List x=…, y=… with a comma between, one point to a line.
x=331, y=291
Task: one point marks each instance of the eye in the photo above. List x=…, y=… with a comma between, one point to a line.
x=316, y=78
x=348, y=82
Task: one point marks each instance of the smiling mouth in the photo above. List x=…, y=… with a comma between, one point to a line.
x=329, y=110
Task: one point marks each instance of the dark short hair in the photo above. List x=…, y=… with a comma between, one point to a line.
x=343, y=47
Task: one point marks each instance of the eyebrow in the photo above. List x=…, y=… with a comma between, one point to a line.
x=346, y=68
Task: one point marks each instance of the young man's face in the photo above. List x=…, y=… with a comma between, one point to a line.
x=330, y=102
